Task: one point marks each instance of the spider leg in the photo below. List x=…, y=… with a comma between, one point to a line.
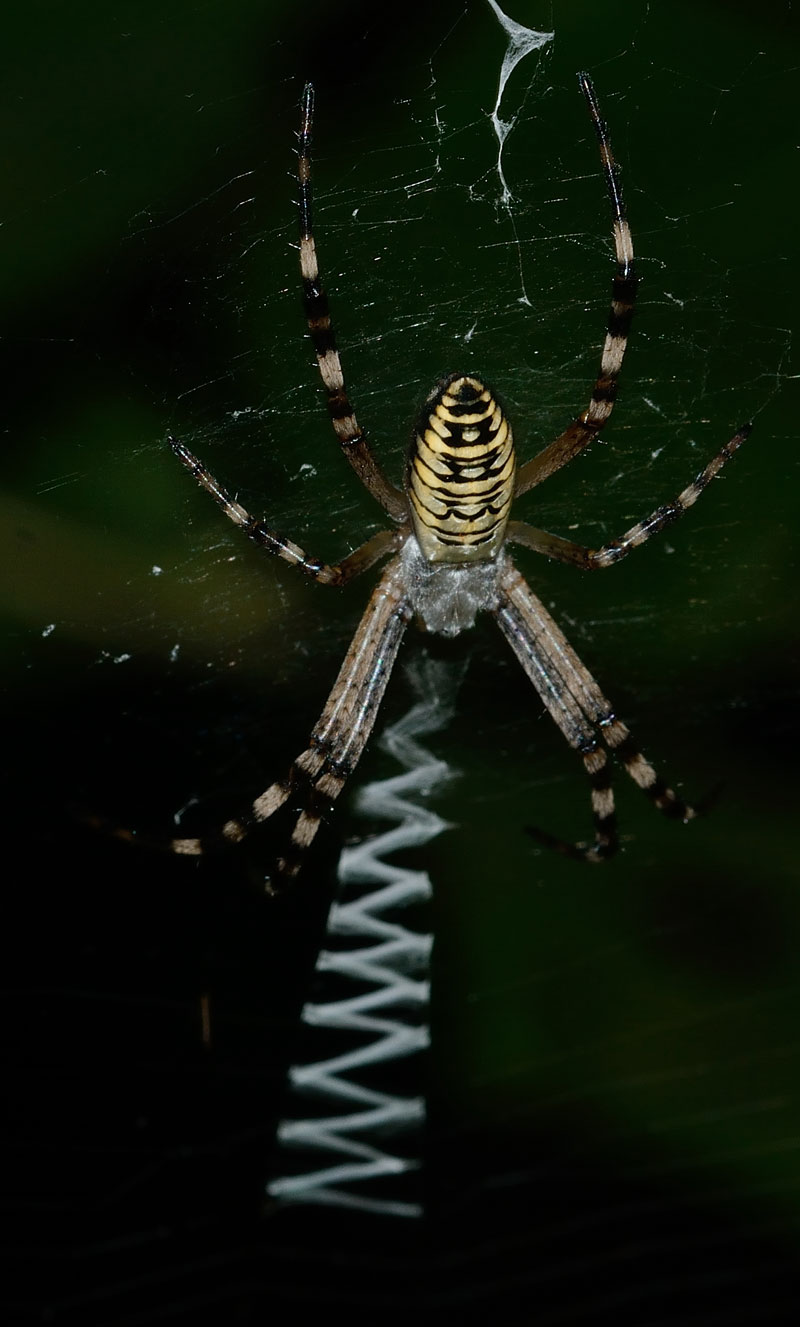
x=623, y=298
x=582, y=712
x=315, y=301
x=386, y=541
x=521, y=628
x=564, y=550
x=318, y=775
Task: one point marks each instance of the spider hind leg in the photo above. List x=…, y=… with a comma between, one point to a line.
x=605, y=842
x=644, y=775
x=665, y=799
x=319, y=773
x=308, y=793
x=581, y=711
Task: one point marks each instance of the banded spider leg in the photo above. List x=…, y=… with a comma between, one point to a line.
x=568, y=690
x=625, y=285
x=577, y=705
x=318, y=774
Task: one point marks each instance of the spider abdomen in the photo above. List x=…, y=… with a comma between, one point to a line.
x=461, y=472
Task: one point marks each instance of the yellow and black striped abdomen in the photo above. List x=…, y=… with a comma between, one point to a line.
x=460, y=476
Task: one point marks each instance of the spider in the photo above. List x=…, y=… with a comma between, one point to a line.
x=449, y=558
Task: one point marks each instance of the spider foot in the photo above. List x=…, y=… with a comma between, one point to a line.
x=604, y=846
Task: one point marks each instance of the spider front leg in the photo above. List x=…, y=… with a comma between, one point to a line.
x=381, y=544
x=565, y=550
x=337, y=740
x=584, y=715
x=582, y=430
x=323, y=338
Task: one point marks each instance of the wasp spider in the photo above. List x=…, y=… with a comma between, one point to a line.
x=449, y=558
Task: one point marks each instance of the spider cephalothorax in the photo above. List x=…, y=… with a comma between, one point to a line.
x=449, y=544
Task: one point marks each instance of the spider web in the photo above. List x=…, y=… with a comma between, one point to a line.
x=611, y=1120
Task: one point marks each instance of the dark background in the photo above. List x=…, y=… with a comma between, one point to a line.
x=613, y=1084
